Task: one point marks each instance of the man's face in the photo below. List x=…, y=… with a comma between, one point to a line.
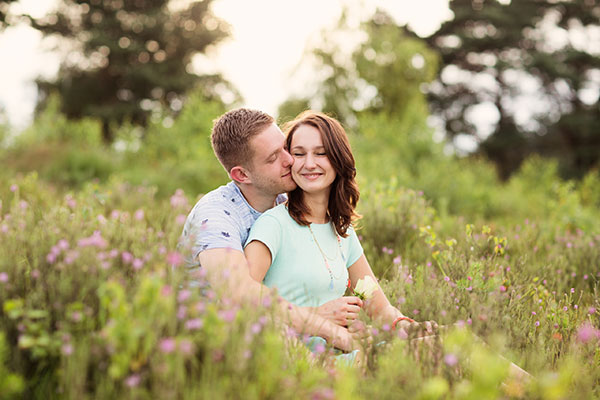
x=270, y=170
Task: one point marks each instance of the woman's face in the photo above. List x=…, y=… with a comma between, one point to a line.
x=311, y=170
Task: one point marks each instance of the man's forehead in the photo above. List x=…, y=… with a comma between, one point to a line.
x=269, y=140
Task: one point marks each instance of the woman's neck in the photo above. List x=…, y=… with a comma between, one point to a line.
x=317, y=205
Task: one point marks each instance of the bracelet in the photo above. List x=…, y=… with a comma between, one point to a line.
x=401, y=319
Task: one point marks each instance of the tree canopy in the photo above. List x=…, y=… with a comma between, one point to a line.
x=531, y=70
x=383, y=73
x=126, y=58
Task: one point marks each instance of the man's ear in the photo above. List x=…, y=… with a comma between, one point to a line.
x=240, y=175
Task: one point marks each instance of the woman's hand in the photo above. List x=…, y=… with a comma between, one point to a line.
x=342, y=311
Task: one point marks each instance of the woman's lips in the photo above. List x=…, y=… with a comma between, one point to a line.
x=311, y=176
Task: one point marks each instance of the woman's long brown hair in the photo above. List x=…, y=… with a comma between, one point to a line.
x=344, y=193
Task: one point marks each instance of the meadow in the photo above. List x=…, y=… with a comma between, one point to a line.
x=94, y=301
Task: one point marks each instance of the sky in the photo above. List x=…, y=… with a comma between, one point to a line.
x=269, y=38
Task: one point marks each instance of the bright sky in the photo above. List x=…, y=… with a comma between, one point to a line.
x=269, y=38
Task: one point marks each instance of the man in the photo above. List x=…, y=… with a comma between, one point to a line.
x=251, y=148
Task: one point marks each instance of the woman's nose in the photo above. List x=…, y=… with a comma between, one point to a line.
x=310, y=161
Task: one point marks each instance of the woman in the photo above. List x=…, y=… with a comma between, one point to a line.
x=307, y=248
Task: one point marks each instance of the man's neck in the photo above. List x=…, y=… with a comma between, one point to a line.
x=261, y=202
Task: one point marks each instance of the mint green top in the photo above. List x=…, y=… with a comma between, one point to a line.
x=297, y=269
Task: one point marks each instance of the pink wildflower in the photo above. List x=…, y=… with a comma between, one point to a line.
x=127, y=257
x=179, y=199
x=137, y=264
x=186, y=347
x=319, y=348
x=3, y=277
x=183, y=295
x=51, y=258
x=592, y=310
x=95, y=240
x=67, y=349
x=174, y=259
x=167, y=345
x=587, y=332
x=13, y=188
x=181, y=312
x=71, y=257
x=133, y=380
x=256, y=328
x=227, y=315
x=450, y=359
x=139, y=215
x=180, y=219
x=266, y=301
x=166, y=291
x=70, y=201
x=194, y=324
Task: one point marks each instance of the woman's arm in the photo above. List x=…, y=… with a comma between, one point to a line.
x=379, y=307
x=259, y=259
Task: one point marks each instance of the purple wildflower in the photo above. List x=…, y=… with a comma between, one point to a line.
x=167, y=345
x=450, y=359
x=194, y=324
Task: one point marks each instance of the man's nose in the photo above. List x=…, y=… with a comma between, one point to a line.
x=287, y=159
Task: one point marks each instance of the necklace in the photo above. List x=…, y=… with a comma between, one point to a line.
x=339, y=241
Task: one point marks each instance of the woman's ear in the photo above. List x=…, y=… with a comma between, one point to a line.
x=239, y=174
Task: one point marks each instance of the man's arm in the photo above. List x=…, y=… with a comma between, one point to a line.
x=228, y=268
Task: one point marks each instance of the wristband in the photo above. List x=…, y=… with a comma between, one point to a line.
x=401, y=319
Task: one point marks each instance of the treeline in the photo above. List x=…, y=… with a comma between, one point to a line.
x=514, y=79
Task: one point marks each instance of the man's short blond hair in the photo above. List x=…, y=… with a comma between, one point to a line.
x=231, y=135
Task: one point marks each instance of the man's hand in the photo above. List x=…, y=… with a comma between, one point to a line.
x=342, y=311
x=344, y=340
x=417, y=329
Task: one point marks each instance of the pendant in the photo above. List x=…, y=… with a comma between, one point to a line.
x=331, y=284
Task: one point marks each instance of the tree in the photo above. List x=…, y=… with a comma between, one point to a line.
x=128, y=58
x=383, y=73
x=531, y=67
x=5, y=13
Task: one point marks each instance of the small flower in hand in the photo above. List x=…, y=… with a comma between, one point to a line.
x=365, y=288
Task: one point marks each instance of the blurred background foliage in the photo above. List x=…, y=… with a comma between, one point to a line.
x=125, y=105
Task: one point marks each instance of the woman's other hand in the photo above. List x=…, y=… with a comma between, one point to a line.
x=342, y=311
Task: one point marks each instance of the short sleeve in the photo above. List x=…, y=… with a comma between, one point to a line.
x=355, y=249
x=209, y=227
x=267, y=229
